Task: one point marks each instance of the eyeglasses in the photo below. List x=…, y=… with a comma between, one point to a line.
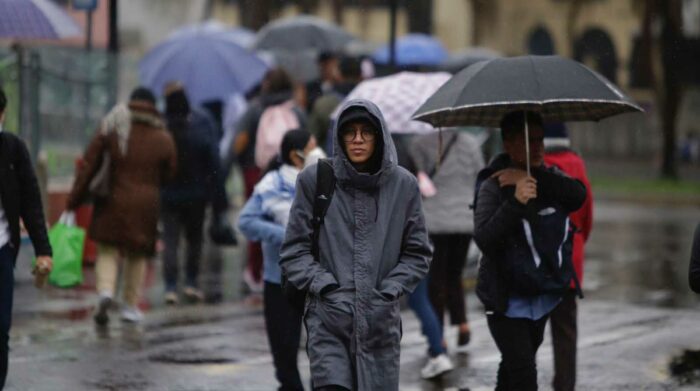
x=365, y=134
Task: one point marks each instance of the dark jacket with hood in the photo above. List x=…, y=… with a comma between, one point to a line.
x=373, y=248
x=502, y=223
x=19, y=194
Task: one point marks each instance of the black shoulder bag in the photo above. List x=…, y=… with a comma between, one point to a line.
x=325, y=185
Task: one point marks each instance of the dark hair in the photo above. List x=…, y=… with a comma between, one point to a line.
x=351, y=68
x=143, y=93
x=278, y=80
x=3, y=101
x=293, y=140
x=514, y=122
x=325, y=56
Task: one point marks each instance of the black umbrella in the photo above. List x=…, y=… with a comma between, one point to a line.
x=557, y=88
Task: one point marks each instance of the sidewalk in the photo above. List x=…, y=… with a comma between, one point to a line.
x=621, y=347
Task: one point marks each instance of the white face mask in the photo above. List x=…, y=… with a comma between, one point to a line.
x=313, y=156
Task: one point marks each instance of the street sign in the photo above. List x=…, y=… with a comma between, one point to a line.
x=85, y=5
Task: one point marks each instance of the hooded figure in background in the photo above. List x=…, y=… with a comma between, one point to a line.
x=373, y=248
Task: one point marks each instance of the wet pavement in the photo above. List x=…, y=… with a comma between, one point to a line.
x=638, y=315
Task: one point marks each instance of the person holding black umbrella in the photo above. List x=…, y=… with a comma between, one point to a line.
x=522, y=227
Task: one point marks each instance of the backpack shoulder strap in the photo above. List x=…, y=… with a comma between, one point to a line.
x=325, y=186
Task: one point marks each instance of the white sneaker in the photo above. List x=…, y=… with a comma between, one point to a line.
x=436, y=366
x=131, y=314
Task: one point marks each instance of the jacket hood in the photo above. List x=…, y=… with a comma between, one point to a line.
x=344, y=170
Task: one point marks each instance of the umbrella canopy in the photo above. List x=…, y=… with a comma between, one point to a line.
x=209, y=62
x=240, y=35
x=414, y=49
x=559, y=89
x=301, y=65
x=397, y=96
x=466, y=57
x=35, y=19
x=302, y=33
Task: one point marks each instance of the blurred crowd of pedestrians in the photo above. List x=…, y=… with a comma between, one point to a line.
x=399, y=221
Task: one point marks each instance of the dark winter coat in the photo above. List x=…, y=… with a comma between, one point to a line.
x=128, y=217
x=374, y=248
x=197, y=160
x=20, y=196
x=499, y=228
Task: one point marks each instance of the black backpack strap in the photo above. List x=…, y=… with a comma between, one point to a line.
x=325, y=186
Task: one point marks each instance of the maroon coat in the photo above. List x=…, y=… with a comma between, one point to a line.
x=128, y=217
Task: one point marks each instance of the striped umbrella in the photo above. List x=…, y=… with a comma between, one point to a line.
x=398, y=96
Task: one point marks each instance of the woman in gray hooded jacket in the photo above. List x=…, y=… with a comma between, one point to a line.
x=373, y=248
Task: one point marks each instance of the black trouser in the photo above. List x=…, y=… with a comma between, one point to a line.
x=189, y=217
x=7, y=283
x=518, y=341
x=283, y=323
x=445, y=284
x=564, y=332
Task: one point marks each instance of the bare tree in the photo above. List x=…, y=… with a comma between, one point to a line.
x=661, y=53
x=338, y=10
x=420, y=16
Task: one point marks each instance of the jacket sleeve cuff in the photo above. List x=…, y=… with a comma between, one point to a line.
x=391, y=289
x=321, y=281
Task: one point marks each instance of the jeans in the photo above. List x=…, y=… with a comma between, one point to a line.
x=189, y=217
x=518, y=340
x=283, y=324
x=445, y=289
x=420, y=304
x=7, y=282
x=564, y=333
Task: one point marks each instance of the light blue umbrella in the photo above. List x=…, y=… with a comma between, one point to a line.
x=414, y=49
x=210, y=60
x=35, y=19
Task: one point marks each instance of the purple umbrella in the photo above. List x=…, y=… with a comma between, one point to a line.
x=35, y=19
x=209, y=61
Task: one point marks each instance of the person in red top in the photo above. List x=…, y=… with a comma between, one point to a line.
x=558, y=153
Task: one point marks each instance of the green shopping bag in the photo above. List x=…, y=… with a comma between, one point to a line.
x=67, y=242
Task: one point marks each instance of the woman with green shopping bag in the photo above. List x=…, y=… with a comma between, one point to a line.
x=126, y=163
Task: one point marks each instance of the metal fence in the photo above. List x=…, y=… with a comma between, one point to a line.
x=57, y=97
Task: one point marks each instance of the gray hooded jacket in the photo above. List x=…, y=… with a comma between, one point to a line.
x=374, y=246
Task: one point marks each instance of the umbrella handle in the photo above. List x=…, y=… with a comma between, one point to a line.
x=527, y=144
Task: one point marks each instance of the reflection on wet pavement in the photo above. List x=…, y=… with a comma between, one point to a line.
x=636, y=255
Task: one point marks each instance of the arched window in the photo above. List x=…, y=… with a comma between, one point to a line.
x=540, y=42
x=595, y=49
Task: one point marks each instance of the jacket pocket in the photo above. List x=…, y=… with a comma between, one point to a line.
x=384, y=323
x=335, y=309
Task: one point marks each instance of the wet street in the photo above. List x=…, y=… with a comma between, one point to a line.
x=638, y=314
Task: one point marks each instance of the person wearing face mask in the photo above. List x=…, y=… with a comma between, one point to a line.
x=372, y=248
x=264, y=219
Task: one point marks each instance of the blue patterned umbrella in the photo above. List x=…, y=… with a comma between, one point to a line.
x=210, y=61
x=35, y=19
